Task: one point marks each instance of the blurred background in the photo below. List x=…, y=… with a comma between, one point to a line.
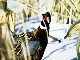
x=23, y=16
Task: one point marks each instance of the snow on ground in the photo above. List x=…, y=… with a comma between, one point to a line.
x=66, y=50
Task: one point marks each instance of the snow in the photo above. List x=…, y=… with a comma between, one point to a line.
x=66, y=50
